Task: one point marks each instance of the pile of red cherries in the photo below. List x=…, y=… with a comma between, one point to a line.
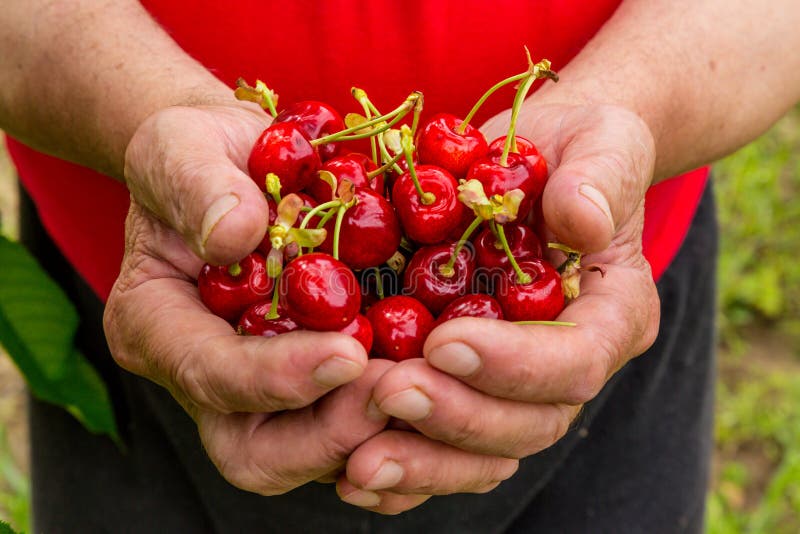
x=432, y=224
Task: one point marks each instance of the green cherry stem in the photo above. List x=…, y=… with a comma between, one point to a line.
x=395, y=115
x=378, y=283
x=385, y=155
x=337, y=229
x=325, y=218
x=447, y=270
x=522, y=277
x=234, y=269
x=273, y=308
x=426, y=198
x=386, y=166
x=317, y=209
x=519, y=98
x=361, y=96
x=547, y=323
x=461, y=128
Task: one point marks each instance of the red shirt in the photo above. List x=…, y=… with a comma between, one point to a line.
x=450, y=50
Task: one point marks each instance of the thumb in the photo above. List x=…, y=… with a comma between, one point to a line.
x=180, y=164
x=605, y=165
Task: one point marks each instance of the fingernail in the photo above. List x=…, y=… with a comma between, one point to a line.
x=456, y=359
x=364, y=499
x=215, y=212
x=374, y=413
x=598, y=199
x=389, y=474
x=336, y=371
x=409, y=405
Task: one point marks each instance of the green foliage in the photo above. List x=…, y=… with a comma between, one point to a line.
x=758, y=190
x=37, y=329
x=14, y=489
x=5, y=528
x=760, y=413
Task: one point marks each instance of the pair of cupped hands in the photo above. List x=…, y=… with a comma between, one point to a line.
x=274, y=414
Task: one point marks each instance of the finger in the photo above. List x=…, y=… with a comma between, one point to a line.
x=382, y=502
x=274, y=454
x=616, y=319
x=410, y=463
x=447, y=410
x=186, y=166
x=173, y=340
x=605, y=165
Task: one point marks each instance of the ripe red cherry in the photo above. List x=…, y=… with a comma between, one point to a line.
x=438, y=143
x=425, y=280
x=254, y=321
x=522, y=241
x=525, y=148
x=285, y=150
x=316, y=119
x=539, y=300
x=400, y=326
x=474, y=305
x=319, y=292
x=229, y=290
x=361, y=330
x=428, y=223
x=370, y=231
x=353, y=167
x=498, y=179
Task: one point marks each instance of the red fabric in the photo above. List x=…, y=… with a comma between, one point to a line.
x=450, y=50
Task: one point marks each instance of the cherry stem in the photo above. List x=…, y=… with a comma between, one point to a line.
x=461, y=128
x=337, y=229
x=447, y=270
x=234, y=269
x=547, y=323
x=426, y=198
x=386, y=166
x=325, y=218
x=317, y=209
x=396, y=115
x=519, y=98
x=522, y=277
x=415, y=117
x=379, y=283
x=273, y=308
x=385, y=155
x=362, y=99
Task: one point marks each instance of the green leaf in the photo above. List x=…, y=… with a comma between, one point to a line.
x=5, y=528
x=37, y=329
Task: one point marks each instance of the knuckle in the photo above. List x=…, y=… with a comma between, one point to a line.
x=587, y=383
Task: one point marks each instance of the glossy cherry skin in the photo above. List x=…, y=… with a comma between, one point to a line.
x=424, y=281
x=539, y=300
x=439, y=144
x=525, y=148
x=266, y=245
x=319, y=292
x=285, y=150
x=370, y=231
x=316, y=119
x=400, y=326
x=497, y=179
x=228, y=296
x=522, y=241
x=361, y=330
x=353, y=167
x=428, y=223
x=473, y=305
x=254, y=322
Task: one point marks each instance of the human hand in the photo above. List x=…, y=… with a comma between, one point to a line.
x=192, y=201
x=478, y=398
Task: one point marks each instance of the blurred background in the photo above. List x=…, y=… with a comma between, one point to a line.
x=756, y=481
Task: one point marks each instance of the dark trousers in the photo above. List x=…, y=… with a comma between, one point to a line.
x=637, y=460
